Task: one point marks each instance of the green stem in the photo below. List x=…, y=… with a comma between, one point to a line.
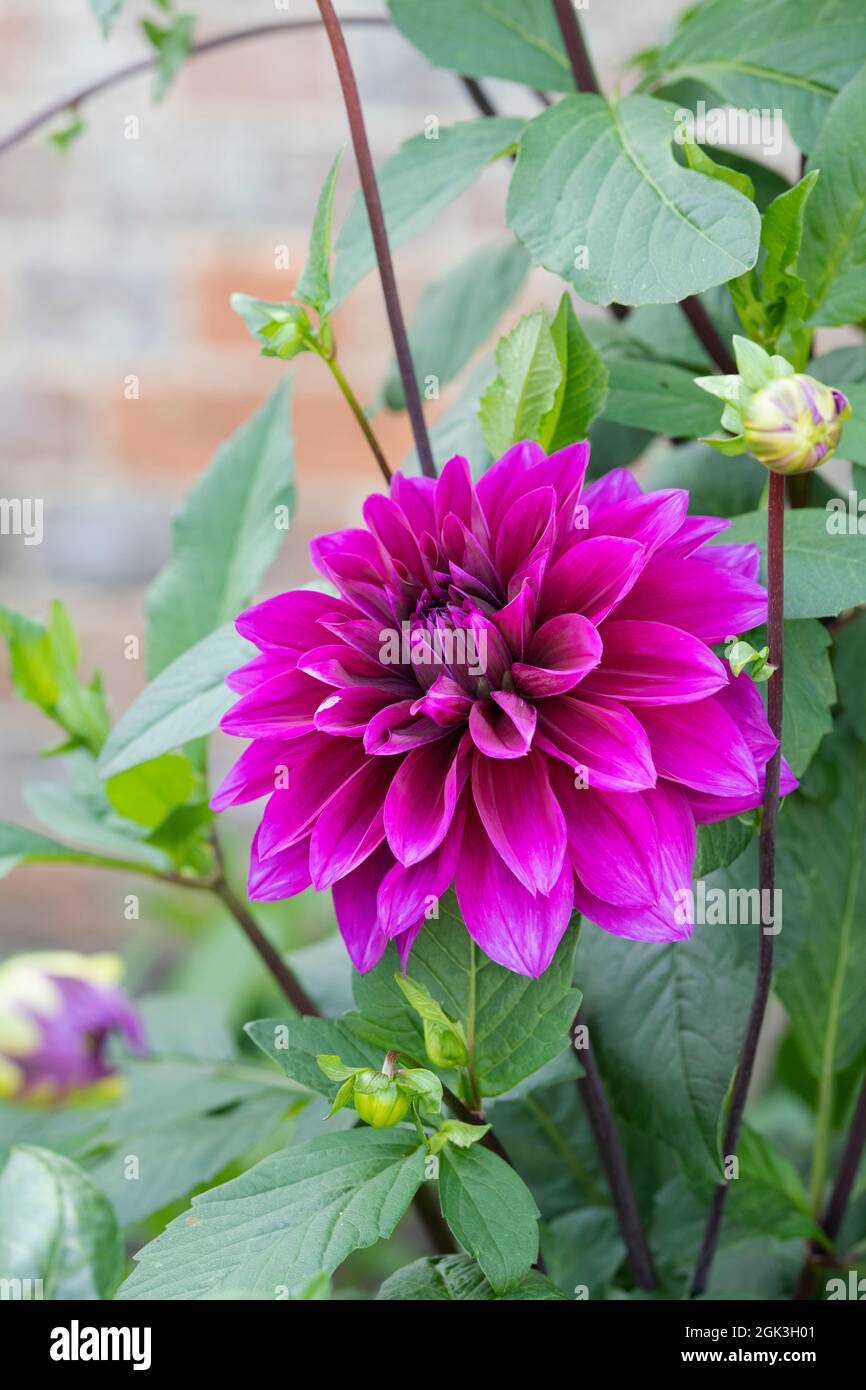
x=358, y=411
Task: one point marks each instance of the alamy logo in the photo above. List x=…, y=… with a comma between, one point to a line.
x=22, y=516
x=423, y=646
x=853, y=1288
x=20, y=1290
x=76, y=1343
x=729, y=125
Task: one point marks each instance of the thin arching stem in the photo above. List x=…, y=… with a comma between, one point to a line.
x=769, y=820
x=370, y=189
x=142, y=65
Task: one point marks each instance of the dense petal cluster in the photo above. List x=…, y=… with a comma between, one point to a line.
x=513, y=691
x=58, y=1010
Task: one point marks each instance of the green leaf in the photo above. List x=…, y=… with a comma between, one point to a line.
x=516, y=39
x=514, y=1024
x=583, y=1249
x=172, y=1159
x=186, y=700
x=107, y=13
x=21, y=846
x=823, y=573
x=833, y=258
x=421, y=179
x=582, y=390
x=524, y=392
x=296, y=1043
x=147, y=793
x=714, y=490
x=720, y=843
x=810, y=691
x=456, y=1132
x=667, y=1072
x=64, y=137
x=457, y=1279
x=296, y=1214
x=56, y=1225
x=172, y=43
x=853, y=445
x=849, y=663
x=457, y=313
x=777, y=56
x=768, y=1196
x=782, y=237
x=658, y=396
x=444, y=1040
x=314, y=284
x=546, y=1132
x=226, y=534
x=698, y=159
x=458, y=431
x=821, y=843
x=44, y=669
x=490, y=1211
x=598, y=198
x=91, y=824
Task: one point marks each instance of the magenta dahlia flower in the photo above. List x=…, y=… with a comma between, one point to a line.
x=513, y=692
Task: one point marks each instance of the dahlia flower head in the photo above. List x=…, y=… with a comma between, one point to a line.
x=512, y=691
x=58, y=1010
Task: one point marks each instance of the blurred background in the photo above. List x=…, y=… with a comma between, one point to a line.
x=119, y=259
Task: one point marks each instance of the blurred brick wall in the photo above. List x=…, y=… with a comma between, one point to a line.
x=119, y=258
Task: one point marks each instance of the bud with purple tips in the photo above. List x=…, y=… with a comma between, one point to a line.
x=58, y=1010
x=787, y=420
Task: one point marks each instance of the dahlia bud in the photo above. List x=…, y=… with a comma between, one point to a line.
x=58, y=1010
x=787, y=420
x=444, y=1039
x=382, y=1098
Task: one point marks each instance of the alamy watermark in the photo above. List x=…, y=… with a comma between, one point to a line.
x=729, y=907
x=422, y=646
x=729, y=125
x=22, y=516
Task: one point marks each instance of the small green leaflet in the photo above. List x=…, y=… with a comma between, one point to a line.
x=490, y=1211
x=513, y=407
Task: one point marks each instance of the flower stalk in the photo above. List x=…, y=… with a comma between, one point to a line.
x=767, y=852
x=370, y=188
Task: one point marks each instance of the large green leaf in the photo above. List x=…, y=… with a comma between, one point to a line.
x=583, y=1249
x=169, y=1160
x=514, y=1024
x=784, y=54
x=517, y=39
x=598, y=198
x=545, y=1131
x=720, y=843
x=294, y=1215
x=458, y=1279
x=295, y=1043
x=768, y=1196
x=849, y=663
x=63, y=811
x=421, y=179
x=225, y=534
x=658, y=396
x=524, y=392
x=713, y=490
x=820, y=855
x=490, y=1211
x=19, y=845
x=833, y=258
x=823, y=573
x=667, y=1022
x=57, y=1226
x=458, y=313
x=185, y=700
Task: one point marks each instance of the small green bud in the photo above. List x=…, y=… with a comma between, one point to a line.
x=444, y=1040
x=379, y=1100
x=787, y=420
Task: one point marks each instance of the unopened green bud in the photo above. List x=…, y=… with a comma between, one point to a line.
x=379, y=1100
x=787, y=420
x=444, y=1039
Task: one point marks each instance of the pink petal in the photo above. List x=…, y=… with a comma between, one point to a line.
x=508, y=478
x=669, y=918
x=524, y=532
x=254, y=774
x=282, y=875
x=406, y=893
x=592, y=578
x=281, y=708
x=503, y=726
x=522, y=817
x=612, y=840
x=710, y=602
x=350, y=710
x=560, y=654
x=290, y=621
x=514, y=928
x=607, y=741
x=516, y=620
x=654, y=664
x=400, y=728
x=351, y=825
x=651, y=518
x=357, y=915
x=422, y=796
x=290, y=812
x=702, y=747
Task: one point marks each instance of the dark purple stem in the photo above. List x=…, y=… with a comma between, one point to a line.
x=831, y=1225
x=769, y=820
x=594, y=1097
x=370, y=188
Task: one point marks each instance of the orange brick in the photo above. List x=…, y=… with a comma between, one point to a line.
x=176, y=432
x=214, y=318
